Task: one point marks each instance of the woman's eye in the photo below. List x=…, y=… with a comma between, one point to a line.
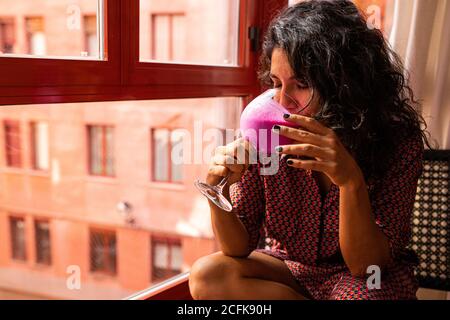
x=302, y=86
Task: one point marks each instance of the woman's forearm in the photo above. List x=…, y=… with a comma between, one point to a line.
x=229, y=230
x=362, y=242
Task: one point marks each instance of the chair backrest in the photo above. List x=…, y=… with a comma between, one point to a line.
x=431, y=222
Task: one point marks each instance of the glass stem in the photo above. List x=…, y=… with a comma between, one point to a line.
x=224, y=181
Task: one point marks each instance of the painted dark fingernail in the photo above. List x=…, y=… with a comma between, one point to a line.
x=286, y=116
x=290, y=162
x=276, y=128
x=279, y=149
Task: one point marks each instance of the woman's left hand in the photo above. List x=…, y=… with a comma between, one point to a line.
x=322, y=144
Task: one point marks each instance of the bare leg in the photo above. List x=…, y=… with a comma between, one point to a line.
x=258, y=276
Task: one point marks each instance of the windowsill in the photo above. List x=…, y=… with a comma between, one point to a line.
x=102, y=276
x=25, y=171
x=101, y=179
x=167, y=186
x=161, y=287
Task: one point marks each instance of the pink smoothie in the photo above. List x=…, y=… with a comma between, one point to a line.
x=258, y=119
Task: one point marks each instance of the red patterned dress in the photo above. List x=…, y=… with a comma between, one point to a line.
x=287, y=207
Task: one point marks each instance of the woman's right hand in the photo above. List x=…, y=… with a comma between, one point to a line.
x=233, y=158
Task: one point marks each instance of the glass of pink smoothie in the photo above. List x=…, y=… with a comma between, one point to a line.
x=256, y=123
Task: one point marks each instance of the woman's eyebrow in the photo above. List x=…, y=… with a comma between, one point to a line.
x=276, y=77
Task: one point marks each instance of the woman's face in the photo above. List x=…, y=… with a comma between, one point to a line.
x=283, y=78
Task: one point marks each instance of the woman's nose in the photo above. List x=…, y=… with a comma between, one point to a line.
x=282, y=98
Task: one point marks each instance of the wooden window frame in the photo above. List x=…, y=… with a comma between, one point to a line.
x=105, y=233
x=169, y=241
x=104, y=151
x=123, y=77
x=36, y=222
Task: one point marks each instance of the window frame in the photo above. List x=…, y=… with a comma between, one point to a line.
x=123, y=76
x=104, y=151
x=31, y=76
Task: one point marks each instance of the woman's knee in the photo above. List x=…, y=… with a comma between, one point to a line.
x=211, y=276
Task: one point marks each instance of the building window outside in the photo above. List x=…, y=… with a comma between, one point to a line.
x=18, y=243
x=101, y=150
x=165, y=167
x=91, y=44
x=103, y=251
x=36, y=41
x=7, y=35
x=168, y=37
x=13, y=150
x=43, y=242
x=167, y=258
x=39, y=137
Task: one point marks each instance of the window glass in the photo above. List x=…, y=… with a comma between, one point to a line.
x=379, y=13
x=13, y=150
x=52, y=28
x=18, y=245
x=174, y=31
x=39, y=137
x=123, y=233
x=43, y=245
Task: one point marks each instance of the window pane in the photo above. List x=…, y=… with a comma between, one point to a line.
x=43, y=251
x=18, y=247
x=177, y=155
x=105, y=226
x=378, y=11
x=196, y=31
x=161, y=154
x=55, y=28
x=161, y=256
x=96, y=149
x=177, y=258
x=109, y=140
x=40, y=147
x=13, y=149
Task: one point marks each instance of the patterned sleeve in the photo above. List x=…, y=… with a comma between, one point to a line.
x=247, y=197
x=393, y=197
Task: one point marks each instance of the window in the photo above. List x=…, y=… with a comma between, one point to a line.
x=18, y=245
x=35, y=35
x=134, y=93
x=167, y=166
x=13, y=149
x=167, y=258
x=168, y=37
x=43, y=247
x=101, y=150
x=178, y=34
x=91, y=43
x=39, y=145
x=103, y=251
x=7, y=35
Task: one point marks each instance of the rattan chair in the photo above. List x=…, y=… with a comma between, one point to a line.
x=431, y=222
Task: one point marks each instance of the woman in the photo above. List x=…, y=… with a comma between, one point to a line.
x=334, y=217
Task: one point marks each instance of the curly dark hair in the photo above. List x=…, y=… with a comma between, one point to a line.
x=365, y=96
